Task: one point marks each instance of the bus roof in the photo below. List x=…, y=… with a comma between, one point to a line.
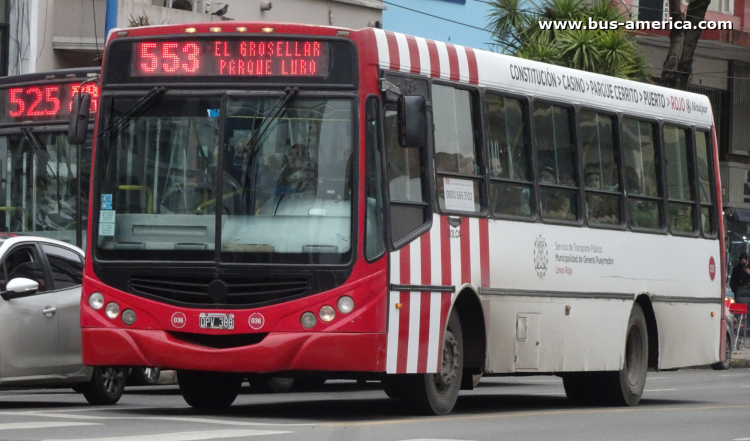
x=507, y=73
x=62, y=74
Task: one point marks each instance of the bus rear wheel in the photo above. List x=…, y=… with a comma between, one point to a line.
x=436, y=394
x=209, y=390
x=625, y=388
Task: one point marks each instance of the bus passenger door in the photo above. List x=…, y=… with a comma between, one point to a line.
x=409, y=213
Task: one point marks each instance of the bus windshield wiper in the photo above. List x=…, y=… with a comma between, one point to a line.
x=253, y=145
x=134, y=111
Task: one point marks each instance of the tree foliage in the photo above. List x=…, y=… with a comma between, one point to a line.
x=515, y=29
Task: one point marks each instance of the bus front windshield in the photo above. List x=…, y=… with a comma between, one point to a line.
x=270, y=184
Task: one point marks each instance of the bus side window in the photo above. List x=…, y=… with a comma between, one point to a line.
x=509, y=157
x=601, y=175
x=457, y=162
x=558, y=188
x=375, y=229
x=641, y=174
x=704, y=158
x=680, y=184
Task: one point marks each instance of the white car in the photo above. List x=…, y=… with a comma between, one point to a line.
x=40, y=330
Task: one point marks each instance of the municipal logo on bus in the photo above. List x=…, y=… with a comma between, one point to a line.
x=712, y=268
x=540, y=256
x=179, y=320
x=256, y=320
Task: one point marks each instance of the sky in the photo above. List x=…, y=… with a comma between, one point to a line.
x=470, y=12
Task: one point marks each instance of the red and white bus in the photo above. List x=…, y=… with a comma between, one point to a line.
x=295, y=200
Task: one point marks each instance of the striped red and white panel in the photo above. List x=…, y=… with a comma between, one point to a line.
x=455, y=252
x=417, y=55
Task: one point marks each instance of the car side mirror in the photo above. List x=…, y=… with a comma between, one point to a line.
x=79, y=118
x=412, y=121
x=20, y=287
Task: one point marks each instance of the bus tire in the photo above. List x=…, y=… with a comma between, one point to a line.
x=625, y=388
x=106, y=386
x=209, y=390
x=436, y=394
x=727, y=363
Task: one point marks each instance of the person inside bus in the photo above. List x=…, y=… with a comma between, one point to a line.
x=558, y=207
x=547, y=175
x=740, y=274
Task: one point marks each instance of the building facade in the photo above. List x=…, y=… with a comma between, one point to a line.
x=55, y=34
x=721, y=70
x=468, y=18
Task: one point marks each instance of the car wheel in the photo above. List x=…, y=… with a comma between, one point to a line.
x=209, y=390
x=106, y=386
x=144, y=376
x=727, y=363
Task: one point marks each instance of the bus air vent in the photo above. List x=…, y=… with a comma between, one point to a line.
x=240, y=292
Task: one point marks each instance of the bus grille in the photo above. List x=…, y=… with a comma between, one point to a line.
x=245, y=291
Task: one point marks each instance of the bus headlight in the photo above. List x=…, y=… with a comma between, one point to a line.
x=112, y=309
x=96, y=300
x=327, y=313
x=128, y=317
x=345, y=304
x=308, y=320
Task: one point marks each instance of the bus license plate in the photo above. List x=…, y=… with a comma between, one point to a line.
x=216, y=321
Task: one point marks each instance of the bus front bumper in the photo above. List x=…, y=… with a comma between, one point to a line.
x=277, y=352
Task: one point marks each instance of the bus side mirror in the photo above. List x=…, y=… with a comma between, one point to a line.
x=79, y=118
x=412, y=121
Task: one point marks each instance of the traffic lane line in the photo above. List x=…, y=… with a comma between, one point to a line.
x=532, y=414
x=185, y=436
x=151, y=418
x=42, y=425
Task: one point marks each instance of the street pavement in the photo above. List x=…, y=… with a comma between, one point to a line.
x=697, y=404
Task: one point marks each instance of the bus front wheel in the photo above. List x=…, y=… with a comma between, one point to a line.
x=436, y=394
x=209, y=390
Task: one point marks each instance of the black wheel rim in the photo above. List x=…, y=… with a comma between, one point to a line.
x=112, y=379
x=634, y=355
x=449, y=363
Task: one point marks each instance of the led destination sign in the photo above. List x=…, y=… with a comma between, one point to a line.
x=231, y=58
x=43, y=102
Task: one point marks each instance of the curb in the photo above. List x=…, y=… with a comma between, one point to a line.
x=740, y=363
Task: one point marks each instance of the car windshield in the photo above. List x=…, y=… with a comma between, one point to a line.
x=280, y=187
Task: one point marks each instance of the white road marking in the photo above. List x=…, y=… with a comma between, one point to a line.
x=656, y=378
x=41, y=425
x=660, y=390
x=432, y=439
x=741, y=439
x=187, y=436
x=37, y=395
x=150, y=418
x=735, y=375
